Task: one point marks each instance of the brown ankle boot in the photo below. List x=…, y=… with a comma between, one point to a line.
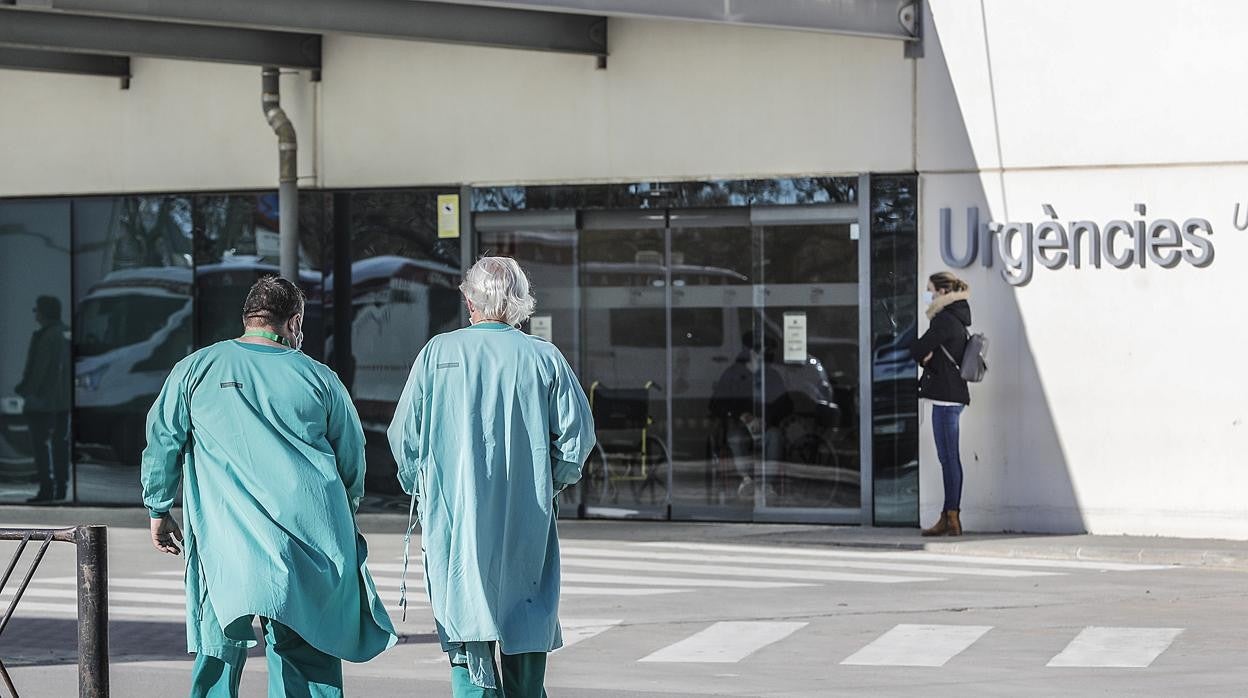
x=940, y=528
x=955, y=523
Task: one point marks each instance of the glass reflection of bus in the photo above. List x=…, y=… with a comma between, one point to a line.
x=398, y=304
x=625, y=311
x=133, y=326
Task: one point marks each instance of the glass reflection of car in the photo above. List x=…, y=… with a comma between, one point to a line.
x=129, y=331
x=895, y=414
x=398, y=304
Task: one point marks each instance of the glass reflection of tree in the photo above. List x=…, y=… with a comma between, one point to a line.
x=657, y=195
x=154, y=231
x=400, y=223
x=227, y=226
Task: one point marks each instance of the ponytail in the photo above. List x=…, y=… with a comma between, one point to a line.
x=947, y=281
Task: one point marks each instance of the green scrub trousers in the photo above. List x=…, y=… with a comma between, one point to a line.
x=296, y=669
x=522, y=676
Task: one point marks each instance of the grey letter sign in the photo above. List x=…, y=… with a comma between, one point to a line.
x=1052, y=245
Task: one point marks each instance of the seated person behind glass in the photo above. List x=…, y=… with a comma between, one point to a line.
x=733, y=402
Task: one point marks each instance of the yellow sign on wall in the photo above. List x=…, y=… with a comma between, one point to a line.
x=448, y=215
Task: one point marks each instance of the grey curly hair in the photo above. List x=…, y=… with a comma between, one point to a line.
x=499, y=289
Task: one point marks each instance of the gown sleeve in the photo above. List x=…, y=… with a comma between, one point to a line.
x=404, y=431
x=346, y=437
x=168, y=427
x=571, y=426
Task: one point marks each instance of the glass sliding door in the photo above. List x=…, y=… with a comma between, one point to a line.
x=809, y=313
x=717, y=405
x=727, y=339
x=624, y=361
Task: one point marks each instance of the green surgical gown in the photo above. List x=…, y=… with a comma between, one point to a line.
x=491, y=425
x=270, y=453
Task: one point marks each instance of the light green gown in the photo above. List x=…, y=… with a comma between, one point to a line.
x=270, y=453
x=490, y=426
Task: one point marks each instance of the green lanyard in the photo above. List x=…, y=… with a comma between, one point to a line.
x=271, y=336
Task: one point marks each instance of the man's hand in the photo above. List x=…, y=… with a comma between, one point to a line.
x=164, y=532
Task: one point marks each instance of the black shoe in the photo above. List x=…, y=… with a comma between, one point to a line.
x=40, y=497
x=60, y=493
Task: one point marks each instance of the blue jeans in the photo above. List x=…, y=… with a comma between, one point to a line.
x=945, y=428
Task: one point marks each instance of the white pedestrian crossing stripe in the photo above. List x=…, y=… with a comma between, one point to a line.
x=778, y=558
x=918, y=645
x=732, y=571
x=57, y=609
x=580, y=629
x=1089, y=565
x=1116, y=647
x=726, y=643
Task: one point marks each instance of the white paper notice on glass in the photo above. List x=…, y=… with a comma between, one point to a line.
x=539, y=326
x=795, y=338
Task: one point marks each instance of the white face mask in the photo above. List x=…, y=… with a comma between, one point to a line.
x=929, y=297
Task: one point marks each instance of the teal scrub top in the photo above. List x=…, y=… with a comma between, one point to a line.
x=491, y=425
x=270, y=453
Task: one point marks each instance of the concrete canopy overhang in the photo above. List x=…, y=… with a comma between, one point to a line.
x=284, y=33
x=889, y=19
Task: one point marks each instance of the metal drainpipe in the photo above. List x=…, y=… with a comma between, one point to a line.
x=288, y=172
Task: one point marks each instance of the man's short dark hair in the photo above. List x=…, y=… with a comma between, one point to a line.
x=272, y=301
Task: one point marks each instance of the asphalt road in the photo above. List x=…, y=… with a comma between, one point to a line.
x=693, y=617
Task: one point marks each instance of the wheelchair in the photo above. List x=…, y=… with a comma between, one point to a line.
x=628, y=455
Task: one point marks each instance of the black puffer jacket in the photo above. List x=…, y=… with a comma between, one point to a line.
x=941, y=379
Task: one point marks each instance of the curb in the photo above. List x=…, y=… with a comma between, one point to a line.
x=1153, y=551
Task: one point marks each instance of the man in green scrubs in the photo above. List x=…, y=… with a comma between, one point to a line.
x=270, y=454
x=491, y=425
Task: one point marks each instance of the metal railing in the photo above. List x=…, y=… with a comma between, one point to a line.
x=92, y=565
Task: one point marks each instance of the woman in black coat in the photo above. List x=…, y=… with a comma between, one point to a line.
x=940, y=351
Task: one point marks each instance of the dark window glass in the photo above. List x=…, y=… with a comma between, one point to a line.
x=404, y=283
x=895, y=404
x=133, y=276
x=645, y=327
x=35, y=363
x=663, y=195
x=237, y=242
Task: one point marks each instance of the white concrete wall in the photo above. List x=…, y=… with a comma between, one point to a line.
x=1114, y=404
x=678, y=100
x=181, y=126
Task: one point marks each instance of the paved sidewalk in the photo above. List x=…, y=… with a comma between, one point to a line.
x=1223, y=554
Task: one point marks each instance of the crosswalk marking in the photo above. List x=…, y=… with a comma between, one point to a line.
x=726, y=571
x=40, y=592
x=1116, y=647
x=918, y=645
x=1091, y=565
x=616, y=591
x=726, y=642
x=742, y=558
x=580, y=629
x=591, y=578
x=72, y=609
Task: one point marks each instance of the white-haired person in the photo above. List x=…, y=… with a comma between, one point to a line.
x=492, y=424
